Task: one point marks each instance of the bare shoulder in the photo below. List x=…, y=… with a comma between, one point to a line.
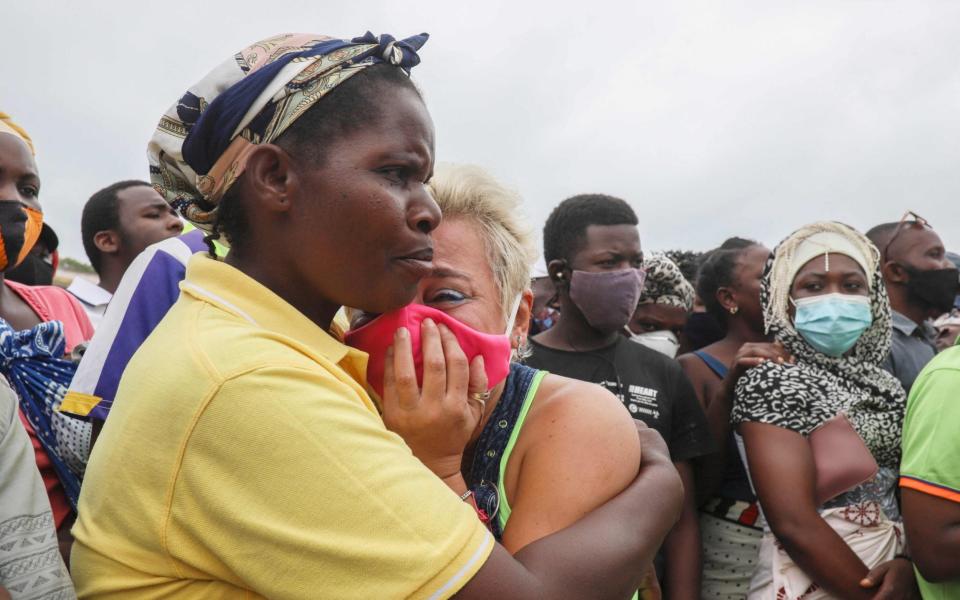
x=578, y=448
x=567, y=409
x=693, y=366
x=570, y=399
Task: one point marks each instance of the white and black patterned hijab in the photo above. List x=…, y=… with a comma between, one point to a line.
x=804, y=395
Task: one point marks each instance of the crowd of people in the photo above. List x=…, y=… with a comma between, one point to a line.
x=319, y=364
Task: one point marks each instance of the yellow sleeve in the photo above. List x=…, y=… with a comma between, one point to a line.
x=291, y=487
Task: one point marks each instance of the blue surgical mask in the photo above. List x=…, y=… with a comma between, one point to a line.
x=832, y=323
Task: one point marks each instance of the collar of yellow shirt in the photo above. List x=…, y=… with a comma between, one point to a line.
x=229, y=289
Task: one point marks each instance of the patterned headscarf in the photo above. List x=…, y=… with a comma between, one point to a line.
x=8, y=126
x=802, y=396
x=824, y=238
x=665, y=283
x=203, y=141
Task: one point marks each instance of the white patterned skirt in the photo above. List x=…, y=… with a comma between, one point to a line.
x=864, y=527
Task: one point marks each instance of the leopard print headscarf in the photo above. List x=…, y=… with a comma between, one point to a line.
x=665, y=283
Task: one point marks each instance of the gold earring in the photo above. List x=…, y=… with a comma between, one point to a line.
x=734, y=309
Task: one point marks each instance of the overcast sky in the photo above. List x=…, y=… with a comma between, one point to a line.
x=711, y=118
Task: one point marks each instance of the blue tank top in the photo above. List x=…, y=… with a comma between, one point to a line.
x=495, y=443
x=735, y=484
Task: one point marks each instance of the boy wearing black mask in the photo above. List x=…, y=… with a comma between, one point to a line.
x=593, y=255
x=922, y=284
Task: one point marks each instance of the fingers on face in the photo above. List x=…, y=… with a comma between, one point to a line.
x=434, y=366
x=404, y=373
x=478, y=376
x=389, y=378
x=457, y=370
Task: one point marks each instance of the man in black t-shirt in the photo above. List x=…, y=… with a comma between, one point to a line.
x=593, y=255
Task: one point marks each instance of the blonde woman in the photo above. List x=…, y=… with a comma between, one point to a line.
x=547, y=449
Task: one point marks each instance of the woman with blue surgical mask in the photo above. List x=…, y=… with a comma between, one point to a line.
x=822, y=433
x=663, y=308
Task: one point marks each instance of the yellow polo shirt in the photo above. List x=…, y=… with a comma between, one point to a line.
x=242, y=459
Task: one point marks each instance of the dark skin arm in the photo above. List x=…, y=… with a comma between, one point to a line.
x=709, y=468
x=717, y=399
x=600, y=555
x=783, y=472
x=682, y=546
x=935, y=521
x=781, y=465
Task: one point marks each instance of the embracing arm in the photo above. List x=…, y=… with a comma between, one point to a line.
x=782, y=469
x=578, y=449
x=598, y=556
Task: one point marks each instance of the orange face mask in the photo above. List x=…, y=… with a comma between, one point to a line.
x=17, y=236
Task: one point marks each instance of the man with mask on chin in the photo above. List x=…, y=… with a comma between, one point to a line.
x=922, y=284
x=593, y=255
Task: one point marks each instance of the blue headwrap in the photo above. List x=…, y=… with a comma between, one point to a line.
x=202, y=142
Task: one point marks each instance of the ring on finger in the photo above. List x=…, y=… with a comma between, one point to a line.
x=480, y=397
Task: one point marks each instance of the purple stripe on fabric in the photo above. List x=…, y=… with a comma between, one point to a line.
x=194, y=241
x=158, y=289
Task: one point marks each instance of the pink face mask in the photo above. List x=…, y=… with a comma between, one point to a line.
x=376, y=336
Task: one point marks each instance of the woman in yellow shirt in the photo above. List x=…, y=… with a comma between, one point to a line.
x=243, y=455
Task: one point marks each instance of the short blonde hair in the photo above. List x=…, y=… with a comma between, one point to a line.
x=469, y=192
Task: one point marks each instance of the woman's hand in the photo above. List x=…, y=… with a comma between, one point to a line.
x=436, y=421
x=893, y=580
x=750, y=355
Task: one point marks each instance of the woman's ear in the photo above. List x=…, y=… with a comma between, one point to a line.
x=521, y=324
x=270, y=176
x=727, y=299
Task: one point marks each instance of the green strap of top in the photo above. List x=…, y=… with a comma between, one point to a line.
x=503, y=513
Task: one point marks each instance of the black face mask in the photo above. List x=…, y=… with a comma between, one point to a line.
x=937, y=288
x=32, y=271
